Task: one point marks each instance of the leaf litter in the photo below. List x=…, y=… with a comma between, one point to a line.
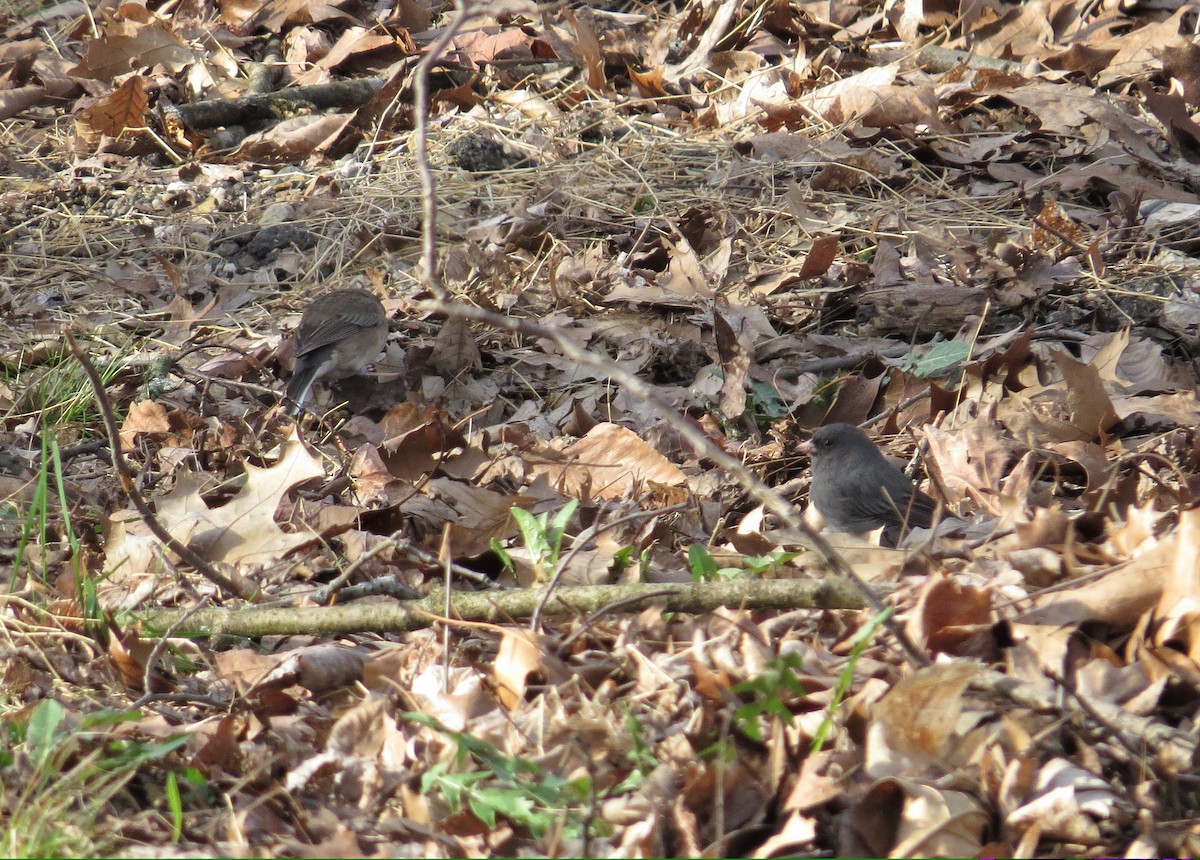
x=969, y=228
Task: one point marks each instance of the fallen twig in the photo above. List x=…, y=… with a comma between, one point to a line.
x=233, y=584
x=505, y=606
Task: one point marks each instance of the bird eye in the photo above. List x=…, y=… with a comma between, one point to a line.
x=828, y=443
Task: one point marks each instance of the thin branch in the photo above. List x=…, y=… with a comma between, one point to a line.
x=156, y=652
x=504, y=606
x=234, y=584
x=429, y=204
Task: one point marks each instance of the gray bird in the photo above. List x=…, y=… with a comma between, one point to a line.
x=856, y=490
x=339, y=334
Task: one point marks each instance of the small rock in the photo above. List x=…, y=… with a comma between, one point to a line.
x=277, y=213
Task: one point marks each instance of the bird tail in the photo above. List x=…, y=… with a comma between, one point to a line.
x=299, y=386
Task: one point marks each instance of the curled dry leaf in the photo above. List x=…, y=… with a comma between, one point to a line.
x=952, y=617
x=317, y=668
x=904, y=818
x=518, y=658
x=912, y=728
x=1068, y=802
x=454, y=703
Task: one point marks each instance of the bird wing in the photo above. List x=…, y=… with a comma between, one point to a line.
x=352, y=316
x=904, y=504
x=857, y=504
x=330, y=332
x=848, y=508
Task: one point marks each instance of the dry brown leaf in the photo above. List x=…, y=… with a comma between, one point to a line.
x=969, y=461
x=1067, y=804
x=317, y=668
x=851, y=96
x=518, y=658
x=587, y=46
x=371, y=476
x=609, y=460
x=243, y=531
x=1117, y=598
x=125, y=109
x=819, y=258
x=275, y=13
x=649, y=84
x=912, y=727
x=144, y=416
x=817, y=784
x=903, y=818
x=737, y=352
x=456, y=702
x=950, y=614
x=481, y=514
x=454, y=350
x=293, y=139
x=129, y=653
x=487, y=45
x=417, y=438
x=124, y=46
x=362, y=730
x=1091, y=409
x=244, y=667
x=352, y=42
x=1175, y=622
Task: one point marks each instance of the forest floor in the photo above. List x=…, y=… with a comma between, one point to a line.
x=670, y=242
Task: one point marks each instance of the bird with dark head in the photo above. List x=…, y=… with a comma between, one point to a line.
x=856, y=490
x=339, y=334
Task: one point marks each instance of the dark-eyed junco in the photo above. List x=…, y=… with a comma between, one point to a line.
x=339, y=334
x=856, y=490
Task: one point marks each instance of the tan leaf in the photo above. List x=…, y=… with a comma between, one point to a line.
x=611, y=460
x=418, y=437
x=969, y=461
x=454, y=702
x=797, y=836
x=1117, y=599
x=362, y=729
x=736, y=353
x=1091, y=410
x=244, y=529
x=318, y=668
x=1176, y=620
x=128, y=45
x=913, y=725
x=519, y=657
x=587, y=46
x=482, y=514
x=820, y=257
x=144, y=416
x=292, y=139
x=903, y=818
x=649, y=84
x=949, y=614
x=123, y=109
x=1067, y=803
x=454, y=350
x=851, y=96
